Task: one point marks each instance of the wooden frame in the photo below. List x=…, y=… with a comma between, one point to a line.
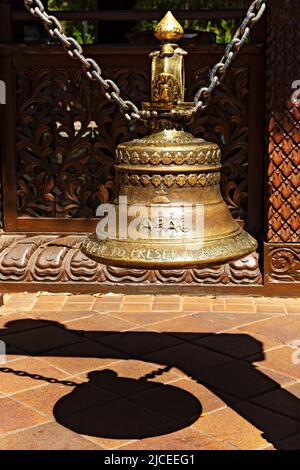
x=272, y=218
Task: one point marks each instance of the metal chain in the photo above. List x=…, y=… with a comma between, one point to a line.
x=50, y=380
x=254, y=14
x=112, y=91
x=90, y=66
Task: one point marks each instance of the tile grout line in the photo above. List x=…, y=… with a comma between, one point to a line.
x=85, y=371
x=207, y=333
x=28, y=428
x=12, y=397
x=285, y=374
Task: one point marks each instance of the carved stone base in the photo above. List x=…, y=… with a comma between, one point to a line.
x=55, y=262
x=282, y=263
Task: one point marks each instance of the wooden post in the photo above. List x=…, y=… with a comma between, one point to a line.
x=5, y=34
x=7, y=120
x=282, y=249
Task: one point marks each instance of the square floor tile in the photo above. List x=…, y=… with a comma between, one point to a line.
x=281, y=360
x=27, y=373
x=39, y=340
x=227, y=426
x=97, y=326
x=82, y=357
x=139, y=341
x=50, y=436
x=185, y=439
x=15, y=416
x=188, y=358
x=282, y=329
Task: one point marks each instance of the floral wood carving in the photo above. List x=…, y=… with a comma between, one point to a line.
x=283, y=123
x=284, y=263
x=53, y=259
x=67, y=133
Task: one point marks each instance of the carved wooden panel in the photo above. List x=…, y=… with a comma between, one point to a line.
x=67, y=133
x=52, y=259
x=283, y=263
x=66, y=137
x=283, y=123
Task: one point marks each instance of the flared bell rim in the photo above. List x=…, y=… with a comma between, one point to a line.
x=171, y=255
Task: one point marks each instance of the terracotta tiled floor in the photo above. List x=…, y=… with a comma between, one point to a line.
x=145, y=372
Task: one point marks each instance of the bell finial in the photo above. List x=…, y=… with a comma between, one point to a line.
x=169, y=29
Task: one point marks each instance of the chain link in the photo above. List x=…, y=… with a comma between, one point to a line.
x=111, y=89
x=254, y=14
x=50, y=380
x=90, y=66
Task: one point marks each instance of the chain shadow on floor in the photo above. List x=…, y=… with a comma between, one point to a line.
x=117, y=407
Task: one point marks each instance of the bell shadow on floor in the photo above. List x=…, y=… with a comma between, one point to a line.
x=115, y=407
x=221, y=362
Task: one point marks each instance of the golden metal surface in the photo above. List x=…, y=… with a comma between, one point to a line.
x=168, y=77
x=168, y=170
x=169, y=29
x=167, y=110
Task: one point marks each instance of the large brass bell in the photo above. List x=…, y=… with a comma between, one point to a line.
x=174, y=180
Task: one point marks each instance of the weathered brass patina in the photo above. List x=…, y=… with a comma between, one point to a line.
x=176, y=174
